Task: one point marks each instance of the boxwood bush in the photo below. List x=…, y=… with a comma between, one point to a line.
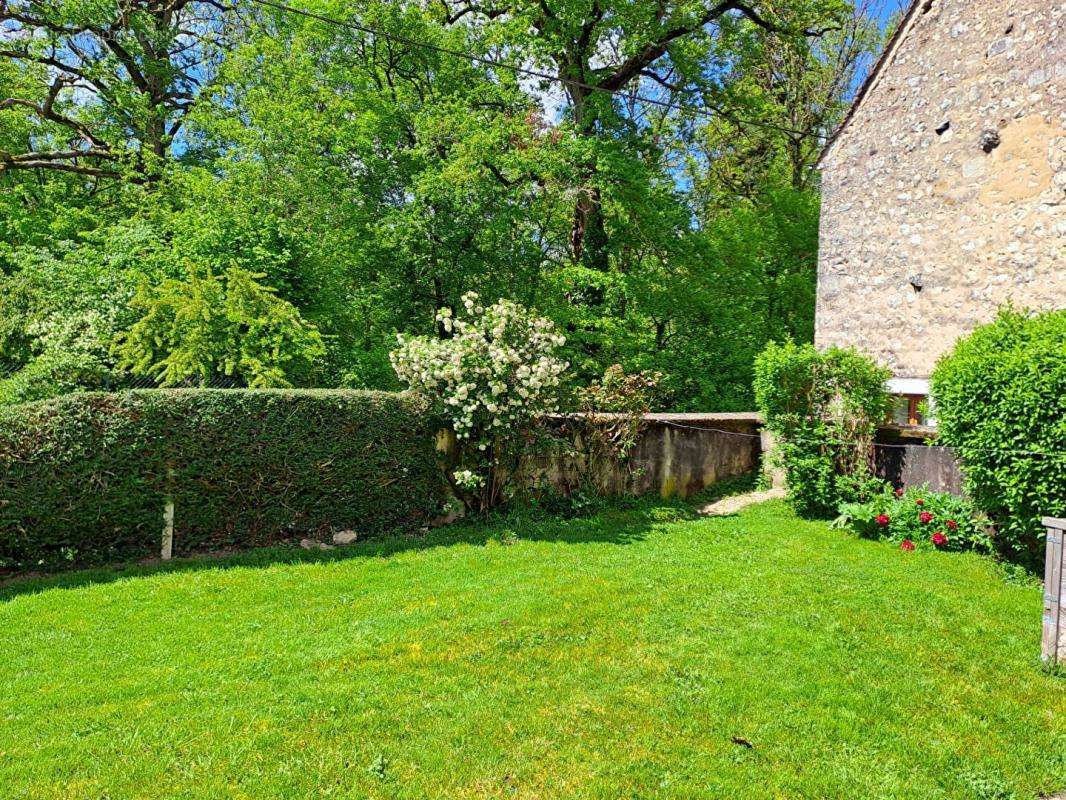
x=1001, y=403
x=84, y=478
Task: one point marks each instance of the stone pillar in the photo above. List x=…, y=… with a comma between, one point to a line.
x=773, y=470
x=1053, y=650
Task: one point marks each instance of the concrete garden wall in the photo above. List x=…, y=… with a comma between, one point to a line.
x=904, y=458
x=681, y=454
x=676, y=454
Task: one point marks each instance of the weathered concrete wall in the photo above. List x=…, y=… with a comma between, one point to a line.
x=676, y=454
x=903, y=459
x=681, y=454
x=909, y=190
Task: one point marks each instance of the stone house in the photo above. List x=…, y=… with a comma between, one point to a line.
x=944, y=190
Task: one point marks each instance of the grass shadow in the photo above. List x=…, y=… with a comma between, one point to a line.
x=619, y=521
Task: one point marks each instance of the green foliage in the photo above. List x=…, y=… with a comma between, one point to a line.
x=60, y=309
x=207, y=326
x=620, y=393
x=754, y=284
x=106, y=89
x=824, y=407
x=371, y=186
x=85, y=477
x=50, y=375
x=612, y=416
x=217, y=296
x=928, y=520
x=1000, y=399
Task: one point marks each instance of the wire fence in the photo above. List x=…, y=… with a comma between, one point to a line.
x=1047, y=453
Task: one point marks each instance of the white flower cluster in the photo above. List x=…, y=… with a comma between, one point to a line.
x=468, y=479
x=498, y=372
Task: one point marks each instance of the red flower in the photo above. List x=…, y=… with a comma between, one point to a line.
x=919, y=502
x=907, y=545
x=939, y=539
x=899, y=493
x=882, y=520
x=952, y=525
x=925, y=517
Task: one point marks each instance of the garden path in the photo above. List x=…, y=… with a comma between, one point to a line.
x=733, y=504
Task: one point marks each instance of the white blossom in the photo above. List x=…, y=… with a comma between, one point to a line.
x=497, y=373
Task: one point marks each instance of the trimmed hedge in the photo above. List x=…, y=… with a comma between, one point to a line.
x=824, y=408
x=83, y=478
x=1001, y=404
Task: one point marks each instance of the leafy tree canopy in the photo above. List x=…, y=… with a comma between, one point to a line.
x=652, y=193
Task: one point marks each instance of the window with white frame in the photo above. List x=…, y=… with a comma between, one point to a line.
x=910, y=402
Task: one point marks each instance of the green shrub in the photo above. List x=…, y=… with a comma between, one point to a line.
x=926, y=519
x=824, y=408
x=208, y=325
x=84, y=478
x=50, y=375
x=1000, y=403
x=494, y=380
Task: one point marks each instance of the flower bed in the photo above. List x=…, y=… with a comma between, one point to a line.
x=918, y=518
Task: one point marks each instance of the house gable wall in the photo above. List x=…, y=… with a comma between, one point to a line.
x=950, y=176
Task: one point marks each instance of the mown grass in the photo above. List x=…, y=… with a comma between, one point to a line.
x=638, y=653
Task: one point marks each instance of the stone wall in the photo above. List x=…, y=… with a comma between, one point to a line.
x=944, y=196
x=676, y=454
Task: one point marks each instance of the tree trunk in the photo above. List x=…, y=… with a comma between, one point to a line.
x=588, y=235
x=588, y=231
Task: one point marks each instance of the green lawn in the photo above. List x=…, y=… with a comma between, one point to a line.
x=628, y=655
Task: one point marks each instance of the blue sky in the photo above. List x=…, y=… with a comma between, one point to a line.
x=883, y=10
x=886, y=8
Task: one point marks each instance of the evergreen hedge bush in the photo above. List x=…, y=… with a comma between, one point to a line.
x=1001, y=404
x=84, y=478
x=824, y=408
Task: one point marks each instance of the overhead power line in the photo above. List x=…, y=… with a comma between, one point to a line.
x=531, y=73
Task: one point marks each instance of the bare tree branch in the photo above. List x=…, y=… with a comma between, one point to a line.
x=48, y=161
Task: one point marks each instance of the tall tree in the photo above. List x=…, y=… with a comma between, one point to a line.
x=597, y=47
x=368, y=177
x=109, y=84
x=780, y=100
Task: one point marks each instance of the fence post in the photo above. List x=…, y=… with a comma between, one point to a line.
x=1053, y=649
x=167, y=548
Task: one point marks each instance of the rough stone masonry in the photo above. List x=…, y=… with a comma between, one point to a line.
x=944, y=194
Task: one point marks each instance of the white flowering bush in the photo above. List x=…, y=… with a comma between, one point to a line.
x=498, y=374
